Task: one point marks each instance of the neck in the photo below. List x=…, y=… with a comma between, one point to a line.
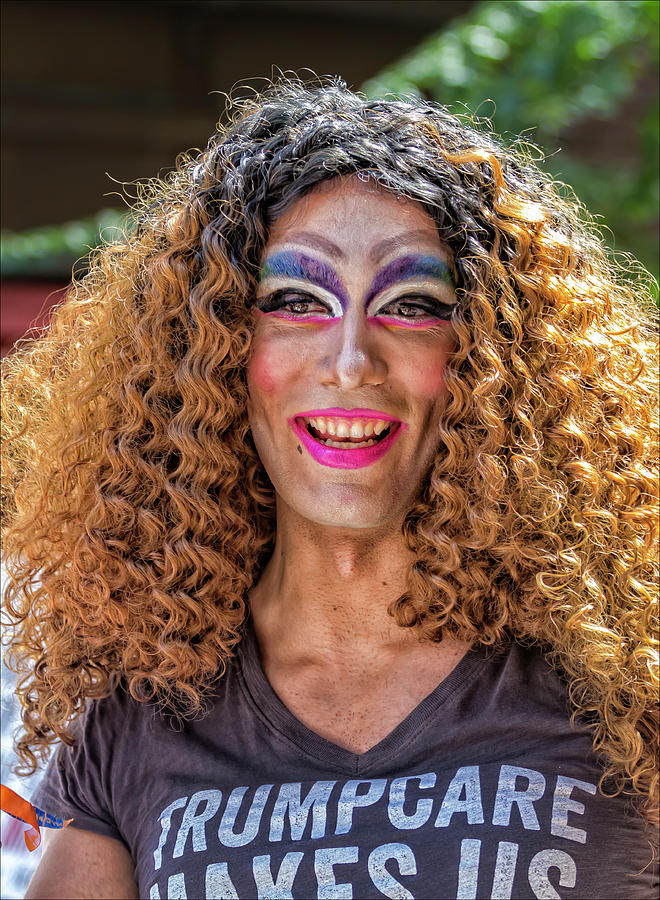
x=325, y=591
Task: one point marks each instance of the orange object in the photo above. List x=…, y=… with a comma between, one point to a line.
x=16, y=806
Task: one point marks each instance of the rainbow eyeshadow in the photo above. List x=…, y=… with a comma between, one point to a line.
x=406, y=268
x=292, y=264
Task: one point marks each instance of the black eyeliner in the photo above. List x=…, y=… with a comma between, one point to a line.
x=276, y=300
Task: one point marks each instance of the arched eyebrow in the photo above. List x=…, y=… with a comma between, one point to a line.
x=293, y=264
x=407, y=267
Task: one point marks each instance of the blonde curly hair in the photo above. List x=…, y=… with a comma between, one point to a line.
x=137, y=514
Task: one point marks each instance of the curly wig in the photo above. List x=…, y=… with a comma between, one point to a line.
x=137, y=513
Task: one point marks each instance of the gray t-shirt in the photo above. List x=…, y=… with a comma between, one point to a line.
x=483, y=791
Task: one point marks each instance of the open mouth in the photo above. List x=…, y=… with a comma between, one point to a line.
x=359, y=438
x=346, y=442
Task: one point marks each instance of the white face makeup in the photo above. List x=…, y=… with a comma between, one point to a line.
x=351, y=340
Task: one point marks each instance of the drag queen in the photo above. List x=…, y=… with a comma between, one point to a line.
x=331, y=528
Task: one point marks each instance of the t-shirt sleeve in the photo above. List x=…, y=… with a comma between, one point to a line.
x=77, y=783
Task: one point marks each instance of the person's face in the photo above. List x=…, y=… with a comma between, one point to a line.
x=351, y=336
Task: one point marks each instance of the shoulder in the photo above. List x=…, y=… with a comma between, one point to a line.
x=137, y=708
x=117, y=708
x=527, y=667
x=517, y=690
x=114, y=738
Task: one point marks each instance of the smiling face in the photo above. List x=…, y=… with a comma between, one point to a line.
x=351, y=339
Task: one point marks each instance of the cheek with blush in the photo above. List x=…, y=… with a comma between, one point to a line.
x=262, y=372
x=269, y=367
x=429, y=378
x=426, y=369
x=278, y=361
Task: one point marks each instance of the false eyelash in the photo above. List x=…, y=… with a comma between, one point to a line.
x=276, y=300
x=428, y=304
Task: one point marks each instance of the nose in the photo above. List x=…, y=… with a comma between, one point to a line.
x=352, y=357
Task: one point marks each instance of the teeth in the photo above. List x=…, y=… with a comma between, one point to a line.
x=344, y=446
x=352, y=429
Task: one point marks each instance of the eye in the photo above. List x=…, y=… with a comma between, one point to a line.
x=294, y=303
x=416, y=307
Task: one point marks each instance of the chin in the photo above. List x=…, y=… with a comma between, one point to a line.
x=357, y=522
x=347, y=511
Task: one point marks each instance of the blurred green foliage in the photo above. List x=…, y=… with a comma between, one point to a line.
x=546, y=66
x=51, y=251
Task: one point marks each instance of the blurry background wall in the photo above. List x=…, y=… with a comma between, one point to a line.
x=98, y=91
x=123, y=87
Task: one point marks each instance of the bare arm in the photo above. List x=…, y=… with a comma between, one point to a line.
x=80, y=864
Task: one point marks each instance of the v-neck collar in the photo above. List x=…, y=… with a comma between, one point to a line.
x=280, y=717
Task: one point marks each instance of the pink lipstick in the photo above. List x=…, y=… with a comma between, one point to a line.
x=337, y=457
